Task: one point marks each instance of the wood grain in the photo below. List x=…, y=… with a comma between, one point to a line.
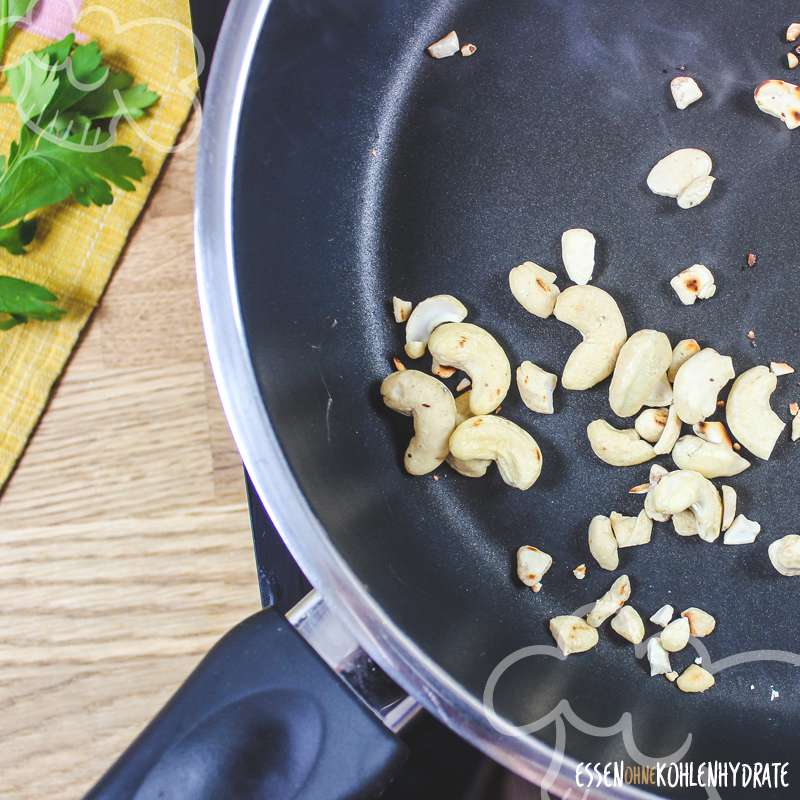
x=125, y=548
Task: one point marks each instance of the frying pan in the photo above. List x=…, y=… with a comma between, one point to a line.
x=340, y=166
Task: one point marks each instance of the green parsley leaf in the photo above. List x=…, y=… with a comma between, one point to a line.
x=115, y=98
x=17, y=237
x=22, y=301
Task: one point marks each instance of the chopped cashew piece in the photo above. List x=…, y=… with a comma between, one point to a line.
x=431, y=405
x=489, y=437
x=728, y=506
x=780, y=368
x=742, y=531
x=701, y=623
x=572, y=634
x=695, y=679
x=698, y=382
x=427, y=316
x=685, y=91
x=661, y=396
x=658, y=657
x=779, y=99
x=532, y=564
x=631, y=531
x=620, y=448
x=657, y=472
x=536, y=387
x=442, y=372
x=675, y=635
x=463, y=384
x=785, y=555
x=793, y=32
x=792, y=60
x=796, y=428
x=670, y=176
x=476, y=352
x=709, y=459
x=750, y=417
x=577, y=253
x=670, y=434
x=684, y=523
x=693, y=283
x=684, y=489
x=446, y=46
x=628, y=624
x=714, y=432
x=580, y=572
x=650, y=424
x=642, y=362
x=401, y=309
x=671, y=676
x=398, y=364
x=610, y=602
x=663, y=616
x=534, y=288
x=602, y=544
x=697, y=191
x=681, y=353
x=596, y=316
x=468, y=49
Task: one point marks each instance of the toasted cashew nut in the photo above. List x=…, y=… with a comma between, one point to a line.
x=698, y=382
x=750, y=417
x=642, y=362
x=670, y=176
x=658, y=657
x=433, y=409
x=682, y=490
x=401, y=309
x=681, y=353
x=694, y=283
x=685, y=91
x=793, y=32
x=675, y=635
x=714, y=432
x=742, y=531
x=628, y=624
x=536, y=387
x=427, y=316
x=650, y=424
x=532, y=564
x=476, y=352
x=572, y=634
x=446, y=46
x=701, y=623
x=779, y=99
x=785, y=555
x=728, y=506
x=515, y=451
x=697, y=191
x=669, y=436
x=596, y=316
x=620, y=448
x=695, y=679
x=534, y=288
x=577, y=253
x=602, y=544
x=611, y=602
x=631, y=531
x=661, y=396
x=709, y=459
x=663, y=616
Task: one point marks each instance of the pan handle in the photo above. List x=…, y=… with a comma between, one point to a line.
x=262, y=716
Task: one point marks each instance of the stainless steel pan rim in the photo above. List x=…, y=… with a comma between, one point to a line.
x=258, y=444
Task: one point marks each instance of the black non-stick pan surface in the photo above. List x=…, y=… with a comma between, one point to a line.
x=367, y=169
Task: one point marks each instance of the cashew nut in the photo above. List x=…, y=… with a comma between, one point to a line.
x=779, y=99
x=682, y=490
x=431, y=405
x=536, y=387
x=670, y=434
x=532, y=564
x=401, y=309
x=714, y=432
x=684, y=523
x=427, y=316
x=685, y=91
x=580, y=572
x=750, y=417
x=796, y=428
x=596, y=316
x=728, y=506
x=602, y=544
x=661, y=396
x=675, y=635
x=642, y=362
x=628, y=624
x=709, y=459
x=658, y=657
x=493, y=438
x=577, y=253
x=650, y=424
x=611, y=602
x=572, y=634
x=534, y=288
x=663, y=616
x=742, y=531
x=446, y=46
x=681, y=353
x=697, y=191
x=701, y=623
x=698, y=382
x=620, y=448
x=670, y=176
x=693, y=283
x=695, y=679
x=793, y=32
x=781, y=368
x=631, y=531
x=476, y=352
x=469, y=469
x=785, y=555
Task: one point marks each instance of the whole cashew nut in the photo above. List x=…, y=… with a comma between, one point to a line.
x=642, y=362
x=602, y=543
x=684, y=489
x=620, y=448
x=427, y=316
x=534, y=288
x=596, y=316
x=708, y=458
x=469, y=469
x=698, y=382
x=430, y=403
x=750, y=417
x=476, y=352
x=493, y=438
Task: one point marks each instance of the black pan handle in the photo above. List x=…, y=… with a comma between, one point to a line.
x=262, y=716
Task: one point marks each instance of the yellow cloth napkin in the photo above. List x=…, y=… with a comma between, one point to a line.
x=76, y=248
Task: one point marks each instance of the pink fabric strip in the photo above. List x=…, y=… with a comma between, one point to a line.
x=53, y=19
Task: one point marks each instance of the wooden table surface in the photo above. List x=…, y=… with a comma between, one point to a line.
x=125, y=549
